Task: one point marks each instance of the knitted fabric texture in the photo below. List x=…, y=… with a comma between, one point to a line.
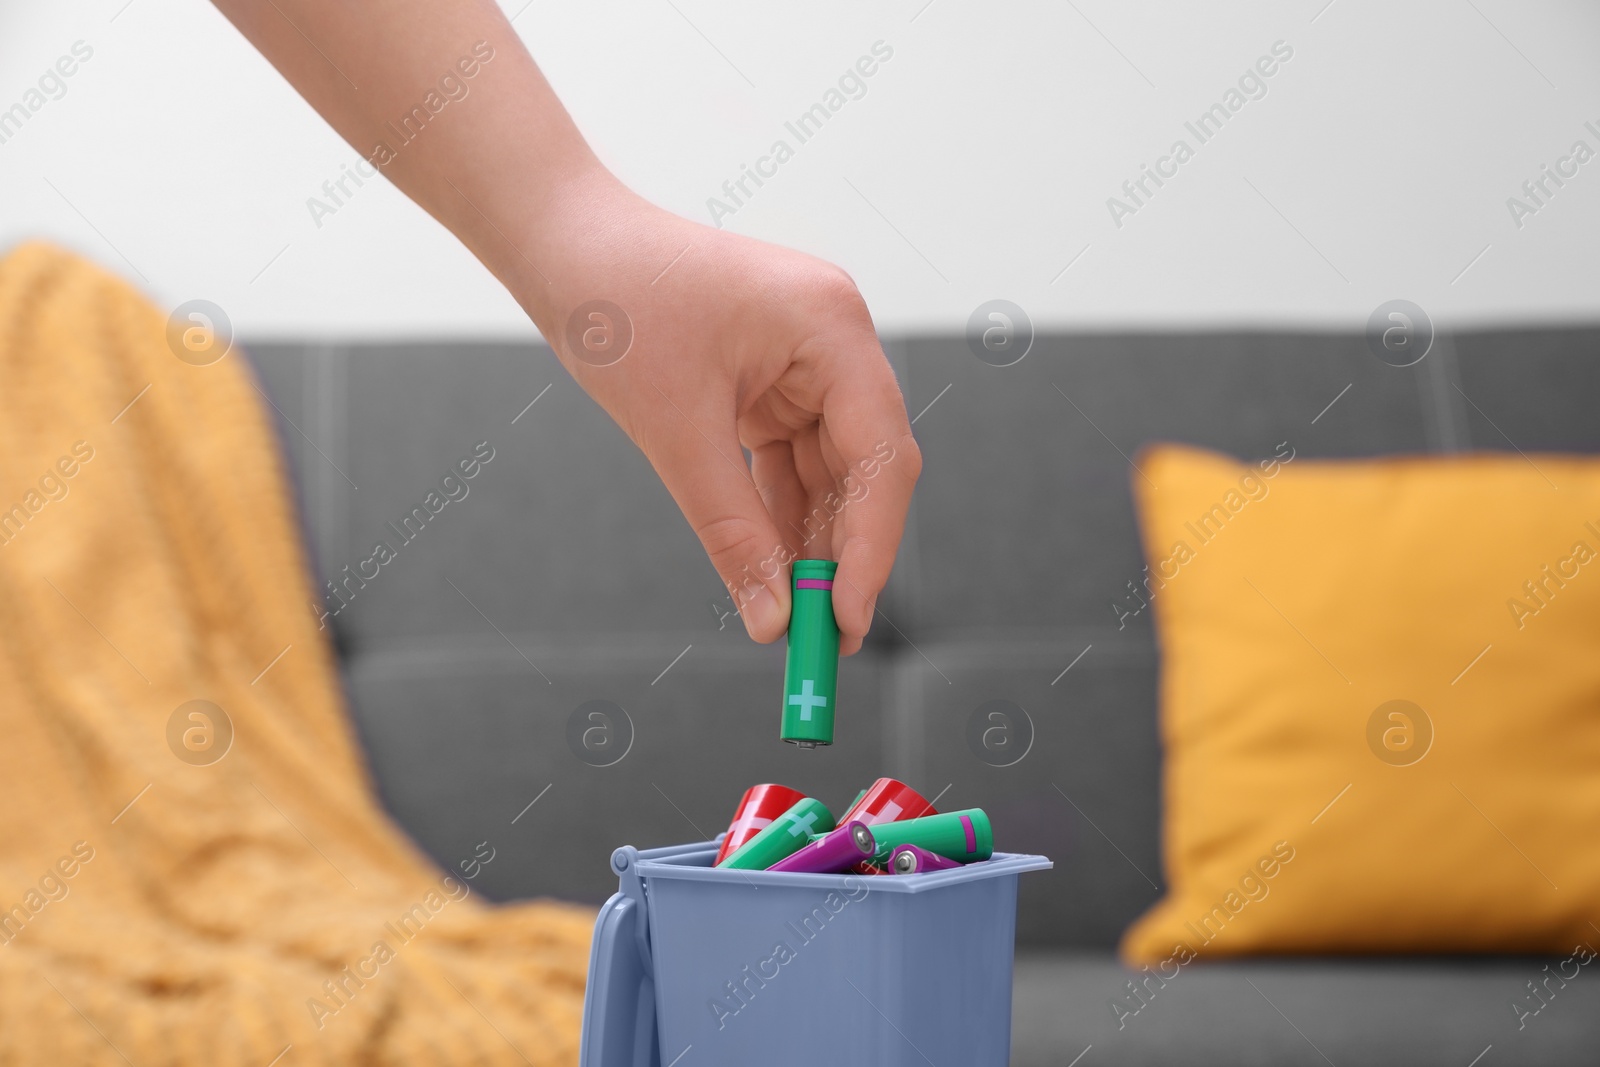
x=162, y=905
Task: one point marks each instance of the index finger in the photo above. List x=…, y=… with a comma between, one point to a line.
x=867, y=441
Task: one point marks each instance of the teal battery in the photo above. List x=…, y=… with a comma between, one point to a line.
x=784, y=836
x=964, y=836
x=811, y=670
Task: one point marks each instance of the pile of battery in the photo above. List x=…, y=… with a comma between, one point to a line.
x=889, y=829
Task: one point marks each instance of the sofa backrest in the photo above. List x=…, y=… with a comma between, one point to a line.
x=564, y=575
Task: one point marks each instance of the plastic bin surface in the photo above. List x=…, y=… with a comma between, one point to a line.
x=700, y=967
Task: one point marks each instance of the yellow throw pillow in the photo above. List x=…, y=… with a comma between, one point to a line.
x=1380, y=703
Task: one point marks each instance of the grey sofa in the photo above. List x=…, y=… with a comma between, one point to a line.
x=566, y=575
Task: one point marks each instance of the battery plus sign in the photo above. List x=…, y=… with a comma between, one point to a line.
x=807, y=699
x=803, y=824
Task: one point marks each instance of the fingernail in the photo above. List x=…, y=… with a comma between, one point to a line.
x=868, y=612
x=764, y=616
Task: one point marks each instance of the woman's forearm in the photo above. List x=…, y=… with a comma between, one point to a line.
x=443, y=98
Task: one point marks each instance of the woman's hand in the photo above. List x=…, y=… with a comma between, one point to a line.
x=703, y=345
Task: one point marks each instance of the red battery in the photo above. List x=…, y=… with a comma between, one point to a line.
x=759, y=806
x=887, y=801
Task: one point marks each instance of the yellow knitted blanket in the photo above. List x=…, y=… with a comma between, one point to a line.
x=204, y=884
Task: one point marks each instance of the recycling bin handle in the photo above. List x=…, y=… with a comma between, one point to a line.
x=625, y=865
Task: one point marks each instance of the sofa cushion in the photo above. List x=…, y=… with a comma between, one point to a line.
x=1378, y=702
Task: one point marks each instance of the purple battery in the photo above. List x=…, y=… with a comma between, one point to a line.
x=910, y=859
x=833, y=852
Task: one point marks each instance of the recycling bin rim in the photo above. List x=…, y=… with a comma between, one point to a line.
x=687, y=863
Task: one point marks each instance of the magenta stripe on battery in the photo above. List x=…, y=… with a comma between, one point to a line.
x=812, y=583
x=972, y=837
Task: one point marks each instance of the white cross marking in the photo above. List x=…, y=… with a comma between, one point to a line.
x=803, y=824
x=807, y=699
x=891, y=811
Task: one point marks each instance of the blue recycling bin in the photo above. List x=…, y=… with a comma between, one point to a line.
x=694, y=966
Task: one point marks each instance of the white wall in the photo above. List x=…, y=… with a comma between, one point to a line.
x=1384, y=152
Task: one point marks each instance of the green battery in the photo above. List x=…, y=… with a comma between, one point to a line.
x=785, y=835
x=965, y=836
x=811, y=672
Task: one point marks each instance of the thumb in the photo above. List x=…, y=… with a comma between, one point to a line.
x=704, y=469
